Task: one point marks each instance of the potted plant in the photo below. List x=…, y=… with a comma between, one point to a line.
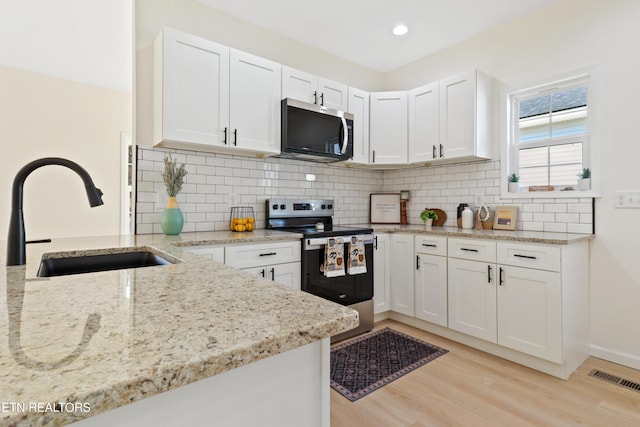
x=514, y=183
x=428, y=216
x=584, y=183
x=173, y=176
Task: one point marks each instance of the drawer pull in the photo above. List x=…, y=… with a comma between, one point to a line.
x=468, y=250
x=269, y=253
x=273, y=274
x=417, y=262
x=525, y=256
x=488, y=273
x=429, y=245
x=501, y=281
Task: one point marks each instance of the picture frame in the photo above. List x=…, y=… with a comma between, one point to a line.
x=505, y=218
x=384, y=208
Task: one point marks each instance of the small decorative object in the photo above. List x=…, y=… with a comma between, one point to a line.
x=384, y=208
x=538, y=188
x=242, y=219
x=173, y=176
x=428, y=216
x=584, y=183
x=514, y=183
x=505, y=218
x=482, y=215
x=404, y=198
x=459, y=210
x=467, y=218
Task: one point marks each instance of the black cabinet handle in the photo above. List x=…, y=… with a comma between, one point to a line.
x=315, y=97
x=268, y=254
x=225, y=136
x=375, y=240
x=373, y=156
x=38, y=241
x=501, y=278
x=441, y=151
x=235, y=137
x=262, y=273
x=524, y=256
x=488, y=273
x=322, y=99
x=417, y=262
x=273, y=274
x=468, y=250
x=429, y=245
x=434, y=152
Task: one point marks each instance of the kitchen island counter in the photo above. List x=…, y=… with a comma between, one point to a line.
x=98, y=341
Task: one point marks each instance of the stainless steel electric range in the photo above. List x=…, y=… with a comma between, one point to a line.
x=314, y=219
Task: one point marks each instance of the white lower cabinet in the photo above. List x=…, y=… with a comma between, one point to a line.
x=215, y=253
x=401, y=264
x=277, y=261
x=381, y=274
x=430, y=279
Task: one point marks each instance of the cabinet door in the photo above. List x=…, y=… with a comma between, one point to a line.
x=381, y=274
x=388, y=127
x=286, y=274
x=213, y=253
x=458, y=115
x=472, y=298
x=401, y=263
x=529, y=312
x=431, y=288
x=254, y=115
x=332, y=94
x=359, y=107
x=424, y=106
x=299, y=85
x=191, y=89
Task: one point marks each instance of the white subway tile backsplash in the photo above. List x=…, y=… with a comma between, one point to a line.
x=213, y=178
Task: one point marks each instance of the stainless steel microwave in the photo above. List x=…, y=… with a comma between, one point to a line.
x=316, y=133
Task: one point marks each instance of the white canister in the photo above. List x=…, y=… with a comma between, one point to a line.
x=467, y=218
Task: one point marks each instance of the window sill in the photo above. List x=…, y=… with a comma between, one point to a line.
x=570, y=194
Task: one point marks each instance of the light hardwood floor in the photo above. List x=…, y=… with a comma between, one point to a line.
x=467, y=387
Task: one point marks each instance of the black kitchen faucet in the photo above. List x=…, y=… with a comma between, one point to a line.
x=16, y=254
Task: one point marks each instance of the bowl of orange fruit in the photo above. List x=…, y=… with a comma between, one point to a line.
x=242, y=219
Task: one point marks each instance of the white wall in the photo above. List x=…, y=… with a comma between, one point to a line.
x=65, y=91
x=564, y=37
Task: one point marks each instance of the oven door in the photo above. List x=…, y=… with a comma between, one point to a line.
x=346, y=290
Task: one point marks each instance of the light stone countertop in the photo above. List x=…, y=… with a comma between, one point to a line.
x=514, y=236
x=110, y=338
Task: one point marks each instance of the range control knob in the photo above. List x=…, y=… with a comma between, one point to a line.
x=274, y=207
x=330, y=206
x=283, y=207
x=324, y=206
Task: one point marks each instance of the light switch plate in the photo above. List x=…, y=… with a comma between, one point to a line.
x=627, y=199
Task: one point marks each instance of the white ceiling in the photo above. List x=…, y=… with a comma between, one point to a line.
x=360, y=30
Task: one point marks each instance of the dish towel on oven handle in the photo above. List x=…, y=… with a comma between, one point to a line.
x=357, y=262
x=334, y=257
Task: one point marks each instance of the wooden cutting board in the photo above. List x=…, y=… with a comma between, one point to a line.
x=442, y=216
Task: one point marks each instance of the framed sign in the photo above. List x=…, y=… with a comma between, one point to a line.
x=384, y=208
x=506, y=218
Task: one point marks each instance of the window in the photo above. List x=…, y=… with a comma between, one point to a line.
x=549, y=143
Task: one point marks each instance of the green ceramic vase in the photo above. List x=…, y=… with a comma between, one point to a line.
x=172, y=218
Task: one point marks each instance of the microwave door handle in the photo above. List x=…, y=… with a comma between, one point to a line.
x=345, y=138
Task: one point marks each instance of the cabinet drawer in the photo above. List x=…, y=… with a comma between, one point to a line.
x=541, y=257
x=472, y=249
x=215, y=253
x=425, y=244
x=245, y=256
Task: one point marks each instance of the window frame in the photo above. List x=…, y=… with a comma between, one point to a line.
x=509, y=146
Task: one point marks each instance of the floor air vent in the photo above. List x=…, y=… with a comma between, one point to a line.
x=615, y=380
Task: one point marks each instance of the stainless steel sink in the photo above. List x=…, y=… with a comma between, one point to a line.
x=65, y=264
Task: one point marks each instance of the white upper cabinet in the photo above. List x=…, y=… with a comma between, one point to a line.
x=359, y=107
x=388, y=128
x=307, y=87
x=208, y=97
x=466, y=106
x=254, y=116
x=191, y=90
x=424, y=123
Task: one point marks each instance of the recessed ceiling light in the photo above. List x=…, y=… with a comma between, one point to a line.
x=400, y=30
